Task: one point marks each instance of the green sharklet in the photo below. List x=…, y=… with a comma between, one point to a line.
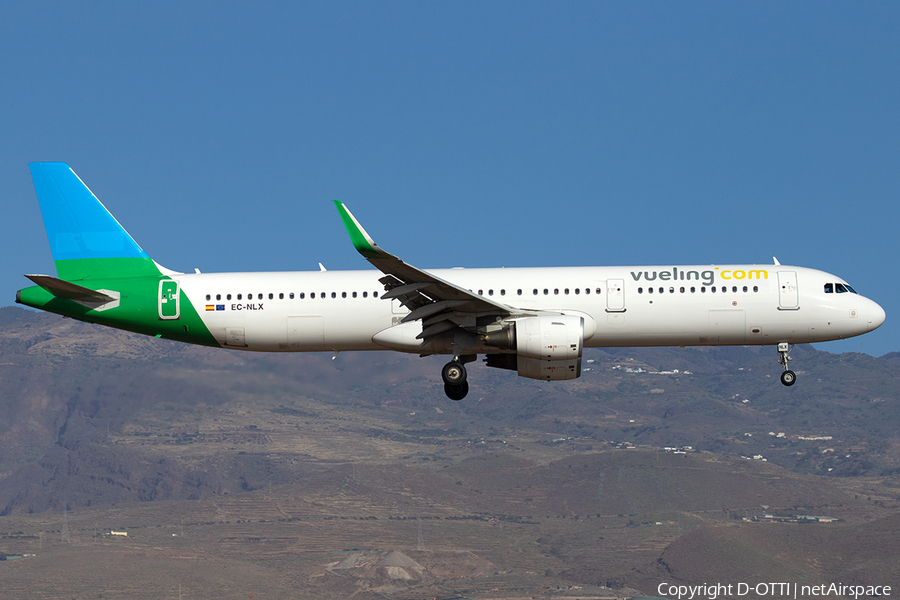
x=363, y=243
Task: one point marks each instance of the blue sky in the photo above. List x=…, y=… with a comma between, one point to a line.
x=466, y=133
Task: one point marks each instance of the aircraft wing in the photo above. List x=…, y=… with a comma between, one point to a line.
x=440, y=305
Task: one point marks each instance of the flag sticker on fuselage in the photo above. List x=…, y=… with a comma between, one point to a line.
x=210, y=307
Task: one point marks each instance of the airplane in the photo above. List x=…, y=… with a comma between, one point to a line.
x=535, y=321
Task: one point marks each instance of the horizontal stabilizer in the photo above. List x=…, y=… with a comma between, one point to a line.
x=67, y=290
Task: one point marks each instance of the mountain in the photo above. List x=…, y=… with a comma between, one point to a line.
x=271, y=463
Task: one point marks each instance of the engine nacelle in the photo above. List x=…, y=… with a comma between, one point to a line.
x=547, y=347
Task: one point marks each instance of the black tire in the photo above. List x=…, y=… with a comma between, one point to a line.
x=456, y=392
x=454, y=373
x=788, y=378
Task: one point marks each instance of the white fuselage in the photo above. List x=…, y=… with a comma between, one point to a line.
x=621, y=306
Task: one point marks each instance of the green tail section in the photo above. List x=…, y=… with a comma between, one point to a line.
x=103, y=275
x=83, y=269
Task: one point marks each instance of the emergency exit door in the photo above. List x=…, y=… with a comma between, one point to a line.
x=615, y=295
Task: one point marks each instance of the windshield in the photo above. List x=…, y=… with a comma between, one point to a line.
x=840, y=288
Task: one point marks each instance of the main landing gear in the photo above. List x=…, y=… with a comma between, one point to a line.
x=454, y=375
x=788, y=377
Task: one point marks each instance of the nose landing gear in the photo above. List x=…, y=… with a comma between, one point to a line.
x=788, y=377
x=454, y=375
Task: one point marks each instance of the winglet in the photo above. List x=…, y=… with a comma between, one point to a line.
x=363, y=242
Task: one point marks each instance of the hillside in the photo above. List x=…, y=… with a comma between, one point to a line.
x=269, y=464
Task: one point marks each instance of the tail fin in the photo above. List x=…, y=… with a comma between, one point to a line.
x=86, y=240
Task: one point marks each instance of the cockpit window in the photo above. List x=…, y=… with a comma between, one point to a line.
x=840, y=288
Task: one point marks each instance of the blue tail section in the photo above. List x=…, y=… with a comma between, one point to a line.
x=86, y=241
x=78, y=225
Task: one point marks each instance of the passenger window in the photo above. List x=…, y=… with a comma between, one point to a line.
x=354, y=294
x=334, y=294
x=343, y=294
x=502, y=292
x=239, y=297
x=218, y=296
x=374, y=294
x=745, y=289
x=490, y=292
x=829, y=288
x=577, y=291
x=481, y=292
x=365, y=294
x=681, y=290
x=281, y=296
x=640, y=290
x=519, y=292
x=259, y=297
x=661, y=290
x=587, y=290
x=755, y=288
x=271, y=296
x=649, y=290
x=566, y=291
x=598, y=291
x=702, y=289
x=228, y=297
x=546, y=291
x=556, y=291
x=208, y=297
x=712, y=289
x=693, y=289
x=671, y=290
x=535, y=291
x=312, y=294
x=734, y=288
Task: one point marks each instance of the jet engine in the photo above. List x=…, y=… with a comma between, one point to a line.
x=546, y=347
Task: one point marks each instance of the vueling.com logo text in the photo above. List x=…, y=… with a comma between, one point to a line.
x=705, y=277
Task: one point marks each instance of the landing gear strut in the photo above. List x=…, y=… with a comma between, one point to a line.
x=454, y=375
x=788, y=377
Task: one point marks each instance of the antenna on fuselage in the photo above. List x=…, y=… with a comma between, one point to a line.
x=776, y=261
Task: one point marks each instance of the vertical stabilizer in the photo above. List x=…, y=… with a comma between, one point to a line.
x=86, y=240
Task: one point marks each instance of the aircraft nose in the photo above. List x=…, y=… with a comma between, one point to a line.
x=876, y=316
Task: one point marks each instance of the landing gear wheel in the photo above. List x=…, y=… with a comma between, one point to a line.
x=454, y=374
x=456, y=392
x=788, y=378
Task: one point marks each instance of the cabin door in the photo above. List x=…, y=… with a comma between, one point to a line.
x=169, y=298
x=788, y=294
